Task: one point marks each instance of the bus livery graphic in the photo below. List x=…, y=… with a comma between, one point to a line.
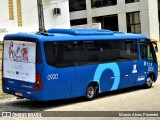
x=115, y=69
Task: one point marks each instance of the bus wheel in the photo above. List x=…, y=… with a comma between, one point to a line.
x=149, y=82
x=90, y=92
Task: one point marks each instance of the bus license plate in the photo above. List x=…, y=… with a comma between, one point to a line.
x=18, y=94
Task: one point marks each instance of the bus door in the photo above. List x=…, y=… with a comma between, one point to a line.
x=146, y=64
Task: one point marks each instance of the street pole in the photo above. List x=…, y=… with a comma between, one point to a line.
x=40, y=16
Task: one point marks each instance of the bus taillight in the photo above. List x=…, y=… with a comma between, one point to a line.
x=2, y=80
x=38, y=83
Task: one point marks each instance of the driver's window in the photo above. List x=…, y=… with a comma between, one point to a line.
x=147, y=51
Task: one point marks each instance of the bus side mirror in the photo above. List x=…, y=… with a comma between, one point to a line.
x=156, y=49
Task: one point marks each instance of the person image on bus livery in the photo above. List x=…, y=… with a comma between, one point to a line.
x=11, y=51
x=25, y=52
x=18, y=54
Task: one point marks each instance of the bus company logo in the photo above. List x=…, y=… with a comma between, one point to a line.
x=12, y=72
x=22, y=73
x=17, y=72
x=134, y=69
x=26, y=74
x=140, y=78
x=10, y=82
x=150, y=66
x=8, y=72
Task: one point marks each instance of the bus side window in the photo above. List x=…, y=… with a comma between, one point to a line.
x=134, y=50
x=152, y=50
x=109, y=51
x=125, y=52
x=129, y=50
x=147, y=52
x=143, y=48
x=50, y=52
x=92, y=51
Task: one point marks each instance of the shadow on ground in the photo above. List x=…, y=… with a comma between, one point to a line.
x=31, y=105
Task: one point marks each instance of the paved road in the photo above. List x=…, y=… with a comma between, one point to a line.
x=133, y=99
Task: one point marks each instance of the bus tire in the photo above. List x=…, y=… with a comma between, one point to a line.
x=91, y=92
x=149, y=82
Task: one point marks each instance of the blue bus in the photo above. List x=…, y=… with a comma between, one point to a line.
x=69, y=63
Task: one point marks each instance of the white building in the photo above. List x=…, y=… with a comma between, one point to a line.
x=136, y=16
x=22, y=15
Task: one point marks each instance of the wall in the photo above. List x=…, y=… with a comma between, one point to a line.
x=30, y=15
x=148, y=15
x=57, y=21
x=149, y=18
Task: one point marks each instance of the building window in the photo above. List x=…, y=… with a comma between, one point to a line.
x=131, y=1
x=133, y=22
x=102, y=3
x=78, y=22
x=76, y=5
x=108, y=22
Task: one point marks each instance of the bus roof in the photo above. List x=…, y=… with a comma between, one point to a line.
x=77, y=34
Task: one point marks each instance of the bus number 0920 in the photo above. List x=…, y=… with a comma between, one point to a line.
x=52, y=77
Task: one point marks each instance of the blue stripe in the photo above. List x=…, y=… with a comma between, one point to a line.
x=115, y=69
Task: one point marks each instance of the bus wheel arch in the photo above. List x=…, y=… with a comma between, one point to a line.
x=96, y=85
x=92, y=90
x=150, y=80
x=152, y=75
